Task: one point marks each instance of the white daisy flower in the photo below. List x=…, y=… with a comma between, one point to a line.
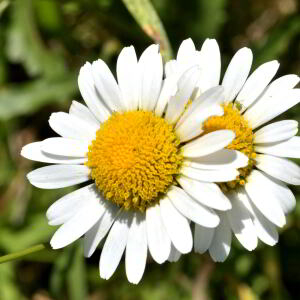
x=259, y=195
x=148, y=180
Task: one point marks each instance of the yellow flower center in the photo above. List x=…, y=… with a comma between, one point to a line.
x=233, y=120
x=134, y=159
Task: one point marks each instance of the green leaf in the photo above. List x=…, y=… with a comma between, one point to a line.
x=76, y=276
x=38, y=231
x=211, y=17
x=9, y=289
x=16, y=100
x=146, y=16
x=48, y=15
x=3, y=67
x=3, y=6
x=25, y=46
x=59, y=271
x=70, y=269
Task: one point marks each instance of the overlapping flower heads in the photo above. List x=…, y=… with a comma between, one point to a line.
x=161, y=153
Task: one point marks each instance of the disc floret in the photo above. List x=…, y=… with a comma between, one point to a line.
x=243, y=142
x=134, y=159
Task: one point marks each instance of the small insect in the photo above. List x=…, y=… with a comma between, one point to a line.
x=239, y=106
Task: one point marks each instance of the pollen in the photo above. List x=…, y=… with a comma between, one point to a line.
x=134, y=159
x=243, y=142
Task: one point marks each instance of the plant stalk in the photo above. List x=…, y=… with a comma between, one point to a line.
x=22, y=253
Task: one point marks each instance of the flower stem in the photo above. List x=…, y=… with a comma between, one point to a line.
x=20, y=254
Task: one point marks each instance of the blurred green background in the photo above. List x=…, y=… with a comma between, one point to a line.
x=43, y=43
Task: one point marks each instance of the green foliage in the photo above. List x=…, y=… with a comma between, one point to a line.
x=211, y=17
x=277, y=43
x=24, y=45
x=147, y=18
x=43, y=43
x=27, y=98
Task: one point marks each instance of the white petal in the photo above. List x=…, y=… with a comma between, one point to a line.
x=279, y=168
x=169, y=89
x=159, y=242
x=128, y=77
x=221, y=175
x=213, y=96
x=257, y=82
x=276, y=132
x=72, y=202
x=281, y=88
x=192, y=209
x=136, y=249
x=65, y=147
x=224, y=158
x=221, y=243
x=177, y=226
x=206, y=193
x=107, y=86
x=210, y=65
x=274, y=92
x=186, y=86
x=171, y=67
x=202, y=238
x=174, y=254
x=70, y=126
x=285, y=82
x=115, y=245
x=266, y=198
x=77, y=226
x=185, y=52
x=186, y=57
x=89, y=94
x=271, y=106
x=192, y=126
x=287, y=148
x=58, y=176
x=284, y=195
x=241, y=223
x=82, y=112
x=151, y=72
x=34, y=152
x=287, y=199
x=64, y=217
x=265, y=230
x=96, y=234
x=237, y=73
x=276, y=88
x=209, y=143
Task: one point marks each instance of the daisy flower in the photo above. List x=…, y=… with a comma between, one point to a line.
x=147, y=179
x=259, y=195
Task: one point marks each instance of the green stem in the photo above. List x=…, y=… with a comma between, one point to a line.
x=20, y=254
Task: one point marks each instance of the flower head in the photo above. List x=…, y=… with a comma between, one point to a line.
x=151, y=171
x=259, y=195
